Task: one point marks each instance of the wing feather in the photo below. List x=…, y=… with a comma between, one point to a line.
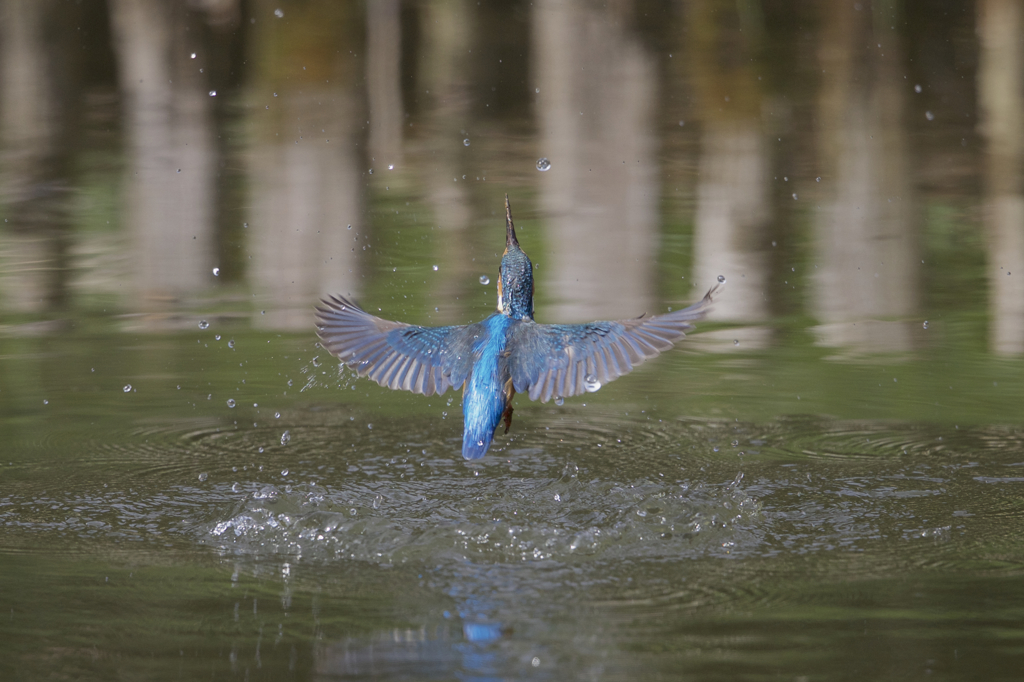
x=397, y=355
x=555, y=360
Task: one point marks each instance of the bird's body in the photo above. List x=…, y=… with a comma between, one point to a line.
x=501, y=355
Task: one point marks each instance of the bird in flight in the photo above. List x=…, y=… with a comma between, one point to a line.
x=504, y=354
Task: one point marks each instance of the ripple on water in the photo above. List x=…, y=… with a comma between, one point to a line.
x=566, y=489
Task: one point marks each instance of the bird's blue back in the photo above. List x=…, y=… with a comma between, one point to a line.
x=484, y=400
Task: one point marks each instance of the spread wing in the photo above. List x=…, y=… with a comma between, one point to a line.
x=568, y=359
x=425, y=360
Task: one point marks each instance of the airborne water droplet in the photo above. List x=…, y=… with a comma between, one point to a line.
x=203, y=476
x=203, y=324
x=127, y=388
x=216, y=272
x=434, y=267
x=929, y=115
x=721, y=278
x=466, y=142
x=285, y=437
x=316, y=360
x=484, y=279
x=591, y=383
x=231, y=402
x=543, y=164
x=926, y=324
x=278, y=12
x=559, y=400
x=231, y=343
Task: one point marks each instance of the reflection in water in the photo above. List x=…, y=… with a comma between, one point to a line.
x=383, y=82
x=35, y=123
x=866, y=260
x=733, y=209
x=678, y=526
x=595, y=110
x=304, y=162
x=448, y=29
x=169, y=184
x=1001, y=94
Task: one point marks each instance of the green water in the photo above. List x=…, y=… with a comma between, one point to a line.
x=824, y=482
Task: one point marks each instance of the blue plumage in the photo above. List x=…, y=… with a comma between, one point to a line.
x=504, y=354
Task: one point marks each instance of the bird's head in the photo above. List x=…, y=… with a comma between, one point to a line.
x=515, y=278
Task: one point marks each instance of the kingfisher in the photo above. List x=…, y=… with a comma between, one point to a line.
x=504, y=354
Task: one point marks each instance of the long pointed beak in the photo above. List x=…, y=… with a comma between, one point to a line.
x=510, y=229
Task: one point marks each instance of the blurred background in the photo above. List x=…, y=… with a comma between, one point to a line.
x=823, y=482
x=853, y=166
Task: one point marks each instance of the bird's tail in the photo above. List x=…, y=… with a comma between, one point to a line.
x=475, y=442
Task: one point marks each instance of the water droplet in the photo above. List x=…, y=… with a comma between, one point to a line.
x=925, y=324
x=127, y=388
x=216, y=272
x=284, y=472
x=543, y=164
x=350, y=227
x=484, y=279
x=231, y=343
x=817, y=179
x=231, y=402
x=371, y=171
x=721, y=278
x=391, y=166
x=929, y=115
x=278, y=12
x=591, y=383
x=735, y=342
x=465, y=142
x=236, y=488
x=285, y=437
x=559, y=400
x=316, y=360
x=794, y=196
x=535, y=662
x=193, y=55
x=377, y=500
x=46, y=402
x=537, y=90
x=434, y=267
x=277, y=415
x=370, y=426
x=479, y=443
x=735, y=443
x=203, y=324
x=216, y=337
x=213, y=93
x=917, y=88
x=682, y=123
x=203, y=476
